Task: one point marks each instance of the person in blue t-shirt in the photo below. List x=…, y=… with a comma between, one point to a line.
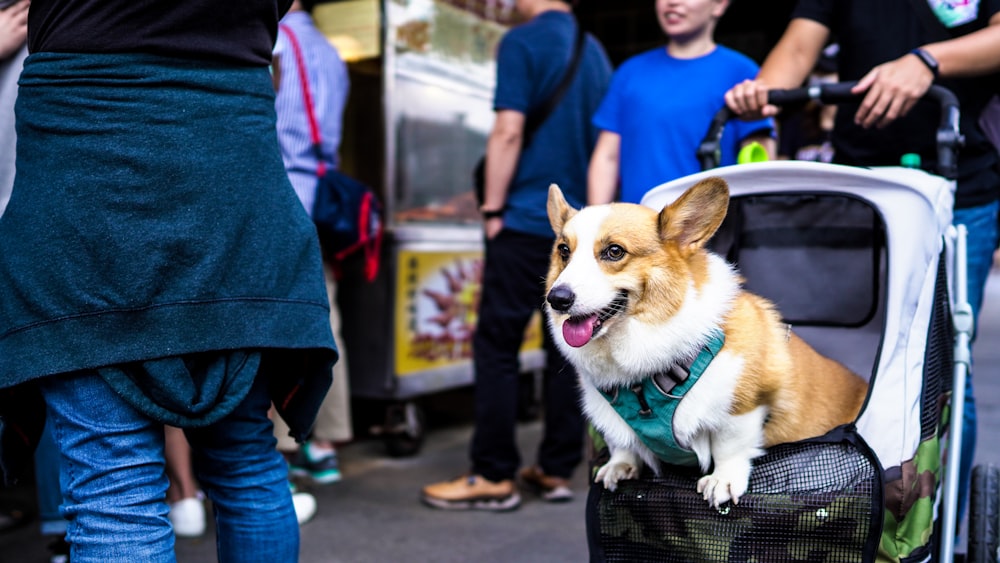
x=661, y=102
x=531, y=61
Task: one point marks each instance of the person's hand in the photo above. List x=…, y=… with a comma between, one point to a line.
x=493, y=226
x=748, y=99
x=13, y=28
x=893, y=89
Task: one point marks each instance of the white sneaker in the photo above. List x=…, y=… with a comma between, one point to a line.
x=188, y=518
x=305, y=506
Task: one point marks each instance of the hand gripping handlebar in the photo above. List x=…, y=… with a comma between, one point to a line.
x=949, y=139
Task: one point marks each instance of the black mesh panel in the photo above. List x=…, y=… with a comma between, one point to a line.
x=938, y=358
x=830, y=245
x=808, y=501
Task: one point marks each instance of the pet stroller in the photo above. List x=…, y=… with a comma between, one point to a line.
x=865, y=265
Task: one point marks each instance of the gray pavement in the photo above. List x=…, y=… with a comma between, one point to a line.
x=374, y=515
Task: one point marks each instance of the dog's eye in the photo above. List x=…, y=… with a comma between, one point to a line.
x=614, y=253
x=563, y=250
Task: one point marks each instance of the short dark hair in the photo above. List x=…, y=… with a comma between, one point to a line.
x=308, y=5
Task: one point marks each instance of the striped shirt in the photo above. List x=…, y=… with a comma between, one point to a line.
x=328, y=84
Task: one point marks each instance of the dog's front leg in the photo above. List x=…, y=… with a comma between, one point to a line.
x=623, y=464
x=734, y=446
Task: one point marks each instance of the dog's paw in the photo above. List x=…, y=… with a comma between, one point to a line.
x=724, y=485
x=612, y=472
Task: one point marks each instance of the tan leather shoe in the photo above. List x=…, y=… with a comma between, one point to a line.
x=472, y=492
x=552, y=489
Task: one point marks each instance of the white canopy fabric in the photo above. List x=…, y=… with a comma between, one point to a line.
x=916, y=208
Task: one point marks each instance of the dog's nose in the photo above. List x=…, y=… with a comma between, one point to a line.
x=561, y=298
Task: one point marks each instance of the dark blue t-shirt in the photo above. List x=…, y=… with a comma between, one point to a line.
x=531, y=61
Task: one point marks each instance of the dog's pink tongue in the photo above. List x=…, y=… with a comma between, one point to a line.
x=578, y=331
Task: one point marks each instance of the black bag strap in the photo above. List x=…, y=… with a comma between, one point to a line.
x=538, y=115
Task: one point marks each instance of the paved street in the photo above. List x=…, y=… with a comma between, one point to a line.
x=374, y=515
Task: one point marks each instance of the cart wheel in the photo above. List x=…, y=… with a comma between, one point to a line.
x=405, y=429
x=984, y=515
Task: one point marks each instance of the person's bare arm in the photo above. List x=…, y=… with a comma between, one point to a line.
x=13, y=28
x=786, y=66
x=503, y=149
x=894, y=87
x=975, y=54
x=602, y=176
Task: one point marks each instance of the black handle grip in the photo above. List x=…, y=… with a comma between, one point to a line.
x=835, y=93
x=948, y=139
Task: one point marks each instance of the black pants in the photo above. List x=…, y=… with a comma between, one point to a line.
x=513, y=288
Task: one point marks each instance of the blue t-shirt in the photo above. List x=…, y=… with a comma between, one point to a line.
x=531, y=61
x=662, y=107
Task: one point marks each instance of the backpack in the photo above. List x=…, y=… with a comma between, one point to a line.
x=348, y=218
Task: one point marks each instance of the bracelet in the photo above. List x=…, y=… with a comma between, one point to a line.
x=492, y=213
x=928, y=60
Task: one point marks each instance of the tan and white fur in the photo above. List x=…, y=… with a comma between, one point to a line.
x=631, y=292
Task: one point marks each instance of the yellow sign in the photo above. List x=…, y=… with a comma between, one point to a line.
x=437, y=297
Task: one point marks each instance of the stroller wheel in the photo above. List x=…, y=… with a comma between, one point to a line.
x=984, y=515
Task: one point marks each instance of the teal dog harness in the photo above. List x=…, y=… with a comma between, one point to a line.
x=648, y=406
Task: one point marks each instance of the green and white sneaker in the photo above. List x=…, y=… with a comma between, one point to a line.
x=322, y=468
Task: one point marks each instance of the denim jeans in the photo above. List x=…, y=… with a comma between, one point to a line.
x=114, y=483
x=981, y=223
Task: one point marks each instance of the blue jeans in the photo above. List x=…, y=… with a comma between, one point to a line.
x=114, y=482
x=981, y=223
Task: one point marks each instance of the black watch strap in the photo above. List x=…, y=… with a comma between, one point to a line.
x=491, y=213
x=928, y=60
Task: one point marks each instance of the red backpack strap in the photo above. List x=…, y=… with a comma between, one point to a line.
x=372, y=244
x=307, y=99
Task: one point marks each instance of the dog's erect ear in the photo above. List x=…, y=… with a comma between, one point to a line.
x=559, y=210
x=695, y=216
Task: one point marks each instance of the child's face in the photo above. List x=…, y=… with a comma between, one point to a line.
x=681, y=19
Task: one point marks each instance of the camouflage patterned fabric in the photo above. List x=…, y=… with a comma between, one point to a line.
x=910, y=495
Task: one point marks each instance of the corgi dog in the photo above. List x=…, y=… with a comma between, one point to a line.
x=676, y=361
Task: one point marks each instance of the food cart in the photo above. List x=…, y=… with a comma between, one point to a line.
x=422, y=76
x=419, y=112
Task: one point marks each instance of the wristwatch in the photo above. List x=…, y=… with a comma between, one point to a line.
x=491, y=213
x=928, y=59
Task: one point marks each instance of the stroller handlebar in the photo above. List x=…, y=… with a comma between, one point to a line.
x=948, y=139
